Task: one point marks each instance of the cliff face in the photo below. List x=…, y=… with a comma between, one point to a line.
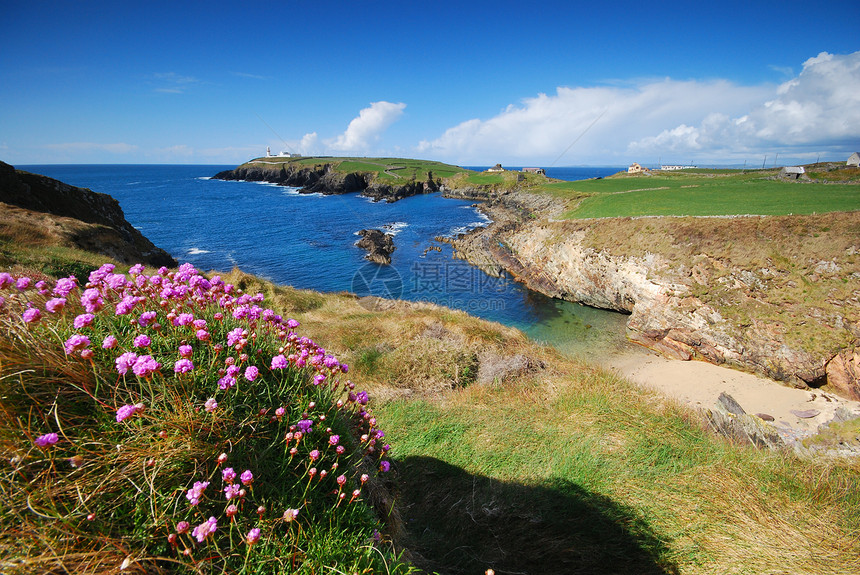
x=776, y=296
x=326, y=180
x=89, y=220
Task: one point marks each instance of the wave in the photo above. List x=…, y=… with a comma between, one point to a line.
x=197, y=251
x=395, y=228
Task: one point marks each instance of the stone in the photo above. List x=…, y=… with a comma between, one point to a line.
x=378, y=244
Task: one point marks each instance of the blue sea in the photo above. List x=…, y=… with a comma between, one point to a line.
x=308, y=241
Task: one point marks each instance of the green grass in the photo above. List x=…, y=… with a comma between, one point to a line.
x=385, y=169
x=596, y=476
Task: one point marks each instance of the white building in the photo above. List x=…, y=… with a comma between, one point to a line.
x=854, y=160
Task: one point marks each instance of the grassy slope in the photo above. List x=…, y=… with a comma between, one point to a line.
x=567, y=468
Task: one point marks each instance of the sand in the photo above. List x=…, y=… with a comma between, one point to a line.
x=699, y=384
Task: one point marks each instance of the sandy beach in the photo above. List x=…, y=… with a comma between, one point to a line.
x=699, y=384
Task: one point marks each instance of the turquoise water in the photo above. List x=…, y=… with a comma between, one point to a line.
x=307, y=241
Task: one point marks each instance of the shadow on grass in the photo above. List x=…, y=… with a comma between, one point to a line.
x=459, y=523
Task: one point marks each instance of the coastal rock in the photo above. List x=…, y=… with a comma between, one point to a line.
x=88, y=220
x=325, y=179
x=378, y=244
x=843, y=373
x=684, y=301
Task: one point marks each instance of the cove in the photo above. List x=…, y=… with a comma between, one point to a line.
x=308, y=241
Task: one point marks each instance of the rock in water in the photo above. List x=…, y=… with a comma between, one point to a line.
x=378, y=244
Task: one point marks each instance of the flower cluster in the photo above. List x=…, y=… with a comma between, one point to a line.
x=220, y=344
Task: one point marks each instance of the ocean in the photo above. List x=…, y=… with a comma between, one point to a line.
x=308, y=241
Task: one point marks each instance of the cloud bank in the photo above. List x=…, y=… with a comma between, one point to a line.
x=716, y=121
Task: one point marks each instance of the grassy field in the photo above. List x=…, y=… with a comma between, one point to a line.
x=708, y=193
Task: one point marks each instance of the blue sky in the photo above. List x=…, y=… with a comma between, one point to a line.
x=471, y=83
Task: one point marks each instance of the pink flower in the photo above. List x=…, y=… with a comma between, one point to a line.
x=315, y=454
x=222, y=459
x=334, y=439
x=55, y=305
x=202, y=335
x=84, y=320
x=109, y=342
x=226, y=382
x=231, y=510
x=279, y=362
x=146, y=318
x=183, y=366
x=195, y=493
x=183, y=319
x=142, y=340
x=211, y=405
x=31, y=315
x=292, y=324
x=205, y=529
x=234, y=336
x=47, y=439
x=185, y=351
x=145, y=366
x=125, y=362
x=182, y=527
x=228, y=474
x=341, y=480
x=136, y=269
x=22, y=283
x=75, y=343
x=253, y=536
x=128, y=410
x=247, y=477
x=6, y=279
x=251, y=373
x=290, y=515
x=65, y=286
x=232, y=491
x=92, y=300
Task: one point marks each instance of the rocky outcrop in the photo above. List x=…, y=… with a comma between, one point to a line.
x=325, y=179
x=692, y=301
x=101, y=225
x=378, y=244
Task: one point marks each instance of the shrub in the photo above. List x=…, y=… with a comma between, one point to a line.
x=169, y=423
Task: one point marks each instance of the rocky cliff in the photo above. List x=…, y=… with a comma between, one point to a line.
x=88, y=220
x=325, y=179
x=779, y=296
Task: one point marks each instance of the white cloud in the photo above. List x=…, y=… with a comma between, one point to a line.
x=173, y=83
x=309, y=144
x=367, y=127
x=817, y=110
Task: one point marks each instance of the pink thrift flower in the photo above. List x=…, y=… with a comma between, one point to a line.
x=232, y=491
x=211, y=405
x=234, y=336
x=253, y=535
x=202, y=335
x=75, y=343
x=183, y=319
x=127, y=411
x=92, y=300
x=55, y=305
x=125, y=362
x=183, y=366
x=109, y=342
x=195, y=493
x=6, y=279
x=341, y=480
x=47, y=439
x=136, y=269
x=279, y=362
x=22, y=283
x=31, y=315
x=319, y=378
x=228, y=474
x=142, y=340
x=226, y=382
x=334, y=439
x=292, y=324
x=205, y=529
x=315, y=454
x=146, y=318
x=65, y=286
x=182, y=527
x=185, y=351
x=83, y=320
x=145, y=366
x=231, y=510
x=247, y=477
x=251, y=373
